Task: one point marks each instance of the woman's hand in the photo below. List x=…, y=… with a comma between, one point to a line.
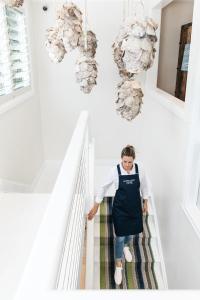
x=145, y=207
x=93, y=211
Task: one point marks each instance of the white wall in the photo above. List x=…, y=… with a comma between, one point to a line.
x=61, y=99
x=158, y=133
x=21, y=151
x=165, y=156
x=174, y=15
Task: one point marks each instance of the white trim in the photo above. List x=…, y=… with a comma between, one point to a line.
x=160, y=4
x=11, y=104
x=173, y=104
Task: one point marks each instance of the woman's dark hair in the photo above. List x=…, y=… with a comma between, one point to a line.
x=128, y=151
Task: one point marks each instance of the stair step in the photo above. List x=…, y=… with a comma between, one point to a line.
x=156, y=267
x=153, y=245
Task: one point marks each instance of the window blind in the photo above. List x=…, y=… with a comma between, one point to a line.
x=14, y=56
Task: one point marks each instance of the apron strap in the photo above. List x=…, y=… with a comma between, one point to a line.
x=136, y=169
x=118, y=169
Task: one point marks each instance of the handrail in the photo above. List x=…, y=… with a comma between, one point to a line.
x=42, y=268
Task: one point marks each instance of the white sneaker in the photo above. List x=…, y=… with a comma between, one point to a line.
x=118, y=275
x=127, y=254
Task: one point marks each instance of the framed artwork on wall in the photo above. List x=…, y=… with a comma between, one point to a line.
x=183, y=59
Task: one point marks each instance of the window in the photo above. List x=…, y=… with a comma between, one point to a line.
x=175, y=39
x=14, y=58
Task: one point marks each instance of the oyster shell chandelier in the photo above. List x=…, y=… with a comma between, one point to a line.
x=133, y=52
x=129, y=101
x=69, y=19
x=86, y=65
x=54, y=45
x=86, y=73
x=71, y=33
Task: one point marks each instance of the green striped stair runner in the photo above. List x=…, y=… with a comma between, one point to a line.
x=138, y=274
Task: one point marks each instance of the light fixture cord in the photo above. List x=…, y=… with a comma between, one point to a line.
x=85, y=24
x=124, y=10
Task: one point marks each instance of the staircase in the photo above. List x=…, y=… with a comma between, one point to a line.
x=146, y=271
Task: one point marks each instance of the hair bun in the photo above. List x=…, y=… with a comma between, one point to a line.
x=130, y=147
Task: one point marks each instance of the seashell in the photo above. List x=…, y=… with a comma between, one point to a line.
x=69, y=20
x=14, y=3
x=138, y=29
x=90, y=51
x=70, y=12
x=133, y=49
x=129, y=101
x=86, y=73
x=54, y=45
x=137, y=54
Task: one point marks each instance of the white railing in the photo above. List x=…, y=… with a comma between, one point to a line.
x=55, y=260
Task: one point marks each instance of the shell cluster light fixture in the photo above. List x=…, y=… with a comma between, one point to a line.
x=86, y=65
x=69, y=19
x=138, y=47
x=129, y=101
x=54, y=45
x=14, y=3
x=90, y=49
x=86, y=73
x=133, y=52
x=70, y=34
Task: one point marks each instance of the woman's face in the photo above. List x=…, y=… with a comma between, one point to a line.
x=127, y=162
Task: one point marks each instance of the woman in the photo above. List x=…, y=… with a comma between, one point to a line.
x=130, y=183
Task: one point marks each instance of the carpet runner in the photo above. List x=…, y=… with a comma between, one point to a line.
x=138, y=274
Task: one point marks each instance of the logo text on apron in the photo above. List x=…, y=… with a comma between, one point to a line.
x=129, y=181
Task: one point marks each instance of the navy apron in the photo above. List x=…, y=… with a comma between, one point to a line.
x=127, y=205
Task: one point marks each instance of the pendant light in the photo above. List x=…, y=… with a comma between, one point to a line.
x=134, y=52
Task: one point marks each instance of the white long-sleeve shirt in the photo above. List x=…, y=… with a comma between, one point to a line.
x=113, y=178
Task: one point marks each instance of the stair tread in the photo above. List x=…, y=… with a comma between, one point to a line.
x=153, y=244
x=156, y=267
